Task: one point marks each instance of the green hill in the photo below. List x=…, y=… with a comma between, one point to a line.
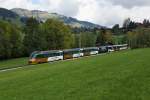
x=116, y=76
x=20, y=16
x=10, y=16
x=7, y=13
x=43, y=16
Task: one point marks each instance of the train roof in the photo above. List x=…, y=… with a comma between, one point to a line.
x=114, y=45
x=121, y=45
x=102, y=46
x=90, y=48
x=45, y=52
x=75, y=49
x=52, y=51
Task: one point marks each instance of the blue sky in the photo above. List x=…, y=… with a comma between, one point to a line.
x=103, y=12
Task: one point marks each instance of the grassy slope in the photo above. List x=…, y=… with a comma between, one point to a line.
x=117, y=76
x=13, y=63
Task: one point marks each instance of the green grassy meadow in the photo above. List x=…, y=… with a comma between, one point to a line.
x=116, y=76
x=13, y=63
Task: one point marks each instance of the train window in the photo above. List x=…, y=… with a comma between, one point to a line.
x=103, y=48
x=95, y=49
x=67, y=52
x=56, y=54
x=40, y=56
x=50, y=55
x=32, y=56
x=76, y=51
x=87, y=50
x=61, y=53
x=46, y=55
x=109, y=47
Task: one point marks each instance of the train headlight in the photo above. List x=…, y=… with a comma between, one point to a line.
x=33, y=60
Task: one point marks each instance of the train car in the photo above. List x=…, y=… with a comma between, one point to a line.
x=110, y=48
x=116, y=47
x=103, y=49
x=72, y=53
x=78, y=52
x=81, y=52
x=120, y=47
x=49, y=56
x=45, y=56
x=123, y=47
x=90, y=51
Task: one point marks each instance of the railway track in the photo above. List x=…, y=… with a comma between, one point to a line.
x=13, y=68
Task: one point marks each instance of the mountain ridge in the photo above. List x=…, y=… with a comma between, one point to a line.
x=44, y=15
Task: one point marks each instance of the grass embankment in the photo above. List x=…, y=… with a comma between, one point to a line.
x=117, y=76
x=13, y=63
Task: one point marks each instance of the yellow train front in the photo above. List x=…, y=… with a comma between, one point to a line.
x=45, y=56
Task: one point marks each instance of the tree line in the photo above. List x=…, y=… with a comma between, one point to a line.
x=22, y=40
x=19, y=41
x=137, y=34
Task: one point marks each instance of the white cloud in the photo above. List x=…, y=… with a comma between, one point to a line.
x=103, y=12
x=130, y=3
x=69, y=7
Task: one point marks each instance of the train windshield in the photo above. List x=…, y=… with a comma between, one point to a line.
x=32, y=56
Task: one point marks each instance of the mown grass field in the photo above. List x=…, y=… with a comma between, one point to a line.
x=116, y=76
x=13, y=63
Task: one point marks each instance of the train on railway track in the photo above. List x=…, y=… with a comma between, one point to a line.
x=55, y=55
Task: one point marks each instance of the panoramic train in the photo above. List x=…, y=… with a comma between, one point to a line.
x=55, y=55
x=90, y=51
x=72, y=53
x=45, y=56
